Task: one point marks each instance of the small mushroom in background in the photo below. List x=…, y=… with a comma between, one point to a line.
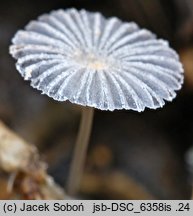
x=97, y=63
x=184, y=17
x=189, y=161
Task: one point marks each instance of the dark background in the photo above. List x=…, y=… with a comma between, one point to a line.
x=131, y=155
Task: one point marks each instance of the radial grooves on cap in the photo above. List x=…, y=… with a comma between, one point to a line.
x=86, y=27
x=141, y=35
x=54, y=23
x=98, y=25
x=122, y=31
x=118, y=93
x=140, y=88
x=158, y=87
x=111, y=25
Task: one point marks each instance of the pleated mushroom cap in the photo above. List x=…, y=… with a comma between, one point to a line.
x=93, y=61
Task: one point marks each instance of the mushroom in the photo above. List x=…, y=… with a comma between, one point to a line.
x=98, y=63
x=189, y=162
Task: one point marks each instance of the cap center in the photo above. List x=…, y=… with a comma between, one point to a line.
x=91, y=60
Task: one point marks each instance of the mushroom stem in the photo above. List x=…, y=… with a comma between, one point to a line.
x=77, y=165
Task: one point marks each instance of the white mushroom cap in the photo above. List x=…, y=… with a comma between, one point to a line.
x=93, y=61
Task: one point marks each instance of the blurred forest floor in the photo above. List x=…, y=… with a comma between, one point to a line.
x=131, y=155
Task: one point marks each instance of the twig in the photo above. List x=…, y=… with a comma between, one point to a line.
x=31, y=180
